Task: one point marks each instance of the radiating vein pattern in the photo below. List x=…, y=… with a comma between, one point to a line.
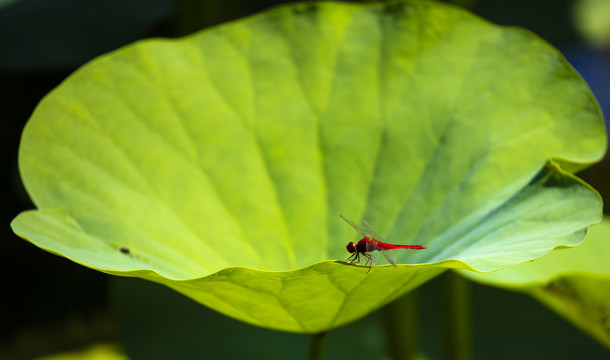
x=218, y=164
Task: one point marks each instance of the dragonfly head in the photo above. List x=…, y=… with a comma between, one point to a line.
x=351, y=248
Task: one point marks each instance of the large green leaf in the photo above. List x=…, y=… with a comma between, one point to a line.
x=573, y=282
x=218, y=164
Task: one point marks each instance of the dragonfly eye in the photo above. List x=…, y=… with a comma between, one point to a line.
x=350, y=247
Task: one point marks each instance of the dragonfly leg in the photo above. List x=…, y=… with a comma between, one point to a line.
x=354, y=258
x=369, y=261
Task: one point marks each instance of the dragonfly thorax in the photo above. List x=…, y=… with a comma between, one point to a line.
x=362, y=246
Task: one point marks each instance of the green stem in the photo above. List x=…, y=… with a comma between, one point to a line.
x=401, y=327
x=317, y=343
x=456, y=316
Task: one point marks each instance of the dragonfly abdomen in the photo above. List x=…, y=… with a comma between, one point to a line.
x=385, y=246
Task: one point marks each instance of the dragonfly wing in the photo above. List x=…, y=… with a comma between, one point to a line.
x=371, y=246
x=358, y=229
x=389, y=256
x=370, y=231
x=374, y=257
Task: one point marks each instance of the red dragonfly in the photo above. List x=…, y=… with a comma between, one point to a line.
x=371, y=242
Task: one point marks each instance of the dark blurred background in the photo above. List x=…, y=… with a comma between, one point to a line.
x=50, y=304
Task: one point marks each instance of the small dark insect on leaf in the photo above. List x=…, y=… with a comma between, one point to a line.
x=124, y=250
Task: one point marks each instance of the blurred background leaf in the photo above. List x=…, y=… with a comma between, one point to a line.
x=6, y=2
x=573, y=282
x=593, y=21
x=95, y=352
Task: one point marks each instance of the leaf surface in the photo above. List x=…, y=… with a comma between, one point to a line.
x=218, y=164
